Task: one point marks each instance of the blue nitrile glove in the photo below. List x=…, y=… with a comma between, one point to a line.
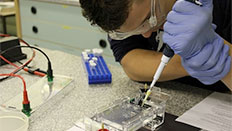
x=211, y=64
x=190, y=33
x=189, y=27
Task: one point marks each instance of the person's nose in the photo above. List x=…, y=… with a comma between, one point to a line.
x=147, y=34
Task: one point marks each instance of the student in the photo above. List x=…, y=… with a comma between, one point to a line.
x=138, y=28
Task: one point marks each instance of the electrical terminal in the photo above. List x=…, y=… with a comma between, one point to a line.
x=103, y=129
x=26, y=104
x=50, y=73
x=50, y=78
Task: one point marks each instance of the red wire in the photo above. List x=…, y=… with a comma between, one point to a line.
x=25, y=69
x=4, y=35
x=25, y=96
x=14, y=75
x=8, y=61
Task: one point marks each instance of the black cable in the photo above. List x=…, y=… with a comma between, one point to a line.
x=21, y=46
x=30, y=71
x=29, y=67
x=26, y=65
x=20, y=63
x=49, y=71
x=4, y=78
x=14, y=59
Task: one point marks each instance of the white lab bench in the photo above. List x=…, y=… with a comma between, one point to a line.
x=79, y=99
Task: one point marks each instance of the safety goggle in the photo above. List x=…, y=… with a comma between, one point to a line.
x=143, y=28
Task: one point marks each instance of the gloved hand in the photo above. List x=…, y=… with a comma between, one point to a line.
x=211, y=64
x=190, y=33
x=189, y=27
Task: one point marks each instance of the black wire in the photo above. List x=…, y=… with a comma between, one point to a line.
x=22, y=63
x=14, y=59
x=28, y=46
x=19, y=46
x=4, y=78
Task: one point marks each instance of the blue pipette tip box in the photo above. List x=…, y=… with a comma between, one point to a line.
x=100, y=73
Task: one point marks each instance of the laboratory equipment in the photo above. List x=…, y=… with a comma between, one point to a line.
x=95, y=67
x=126, y=114
x=168, y=54
x=40, y=92
x=12, y=55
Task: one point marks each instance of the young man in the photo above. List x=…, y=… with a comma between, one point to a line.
x=135, y=34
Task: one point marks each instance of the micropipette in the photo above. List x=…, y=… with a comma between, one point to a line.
x=168, y=53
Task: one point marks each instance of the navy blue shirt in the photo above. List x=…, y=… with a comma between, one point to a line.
x=221, y=17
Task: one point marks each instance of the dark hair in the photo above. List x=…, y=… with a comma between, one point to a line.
x=108, y=14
